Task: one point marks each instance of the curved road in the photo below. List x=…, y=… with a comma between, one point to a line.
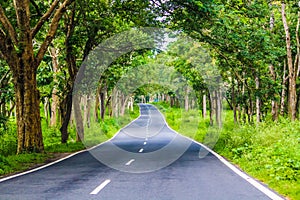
x=147, y=160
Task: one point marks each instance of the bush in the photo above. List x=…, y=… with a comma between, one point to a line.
x=268, y=151
x=8, y=139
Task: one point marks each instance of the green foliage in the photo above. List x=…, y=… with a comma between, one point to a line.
x=3, y=122
x=64, y=148
x=15, y=163
x=269, y=152
x=8, y=139
x=186, y=123
x=45, y=78
x=242, y=44
x=6, y=95
x=104, y=130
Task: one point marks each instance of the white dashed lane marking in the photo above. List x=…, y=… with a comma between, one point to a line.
x=100, y=187
x=129, y=162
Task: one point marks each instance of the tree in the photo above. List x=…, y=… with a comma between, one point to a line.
x=16, y=46
x=293, y=65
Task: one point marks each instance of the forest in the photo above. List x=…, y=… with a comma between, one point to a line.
x=254, y=47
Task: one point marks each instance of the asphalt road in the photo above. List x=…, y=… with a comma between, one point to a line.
x=146, y=160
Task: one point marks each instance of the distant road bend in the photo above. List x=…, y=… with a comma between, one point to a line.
x=146, y=160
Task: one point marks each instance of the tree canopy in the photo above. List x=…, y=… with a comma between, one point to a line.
x=254, y=44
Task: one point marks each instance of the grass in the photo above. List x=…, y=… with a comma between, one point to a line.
x=12, y=163
x=98, y=132
x=101, y=131
x=269, y=151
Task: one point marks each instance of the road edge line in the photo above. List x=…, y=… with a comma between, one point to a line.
x=91, y=148
x=41, y=167
x=64, y=158
x=255, y=183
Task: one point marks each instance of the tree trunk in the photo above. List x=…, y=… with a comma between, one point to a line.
x=292, y=95
x=83, y=106
x=130, y=104
x=78, y=118
x=65, y=113
x=12, y=106
x=29, y=130
x=97, y=104
x=46, y=109
x=274, y=102
x=204, y=110
x=115, y=103
x=238, y=107
x=243, y=114
x=66, y=106
x=212, y=108
x=3, y=109
x=88, y=111
x=123, y=104
x=283, y=93
x=239, y=113
x=218, y=107
x=257, y=98
x=55, y=99
x=102, y=104
x=233, y=100
x=186, y=99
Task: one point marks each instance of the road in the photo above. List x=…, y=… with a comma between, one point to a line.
x=146, y=160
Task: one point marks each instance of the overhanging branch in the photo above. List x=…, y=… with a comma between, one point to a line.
x=52, y=31
x=44, y=18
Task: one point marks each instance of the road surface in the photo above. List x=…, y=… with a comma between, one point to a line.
x=146, y=160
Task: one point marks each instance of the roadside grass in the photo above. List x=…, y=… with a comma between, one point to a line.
x=98, y=132
x=187, y=123
x=270, y=151
x=16, y=163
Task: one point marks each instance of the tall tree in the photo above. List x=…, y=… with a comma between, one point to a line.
x=16, y=46
x=293, y=65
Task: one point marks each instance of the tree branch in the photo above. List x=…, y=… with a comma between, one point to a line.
x=36, y=7
x=44, y=18
x=22, y=9
x=7, y=25
x=7, y=50
x=4, y=77
x=52, y=31
x=3, y=49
